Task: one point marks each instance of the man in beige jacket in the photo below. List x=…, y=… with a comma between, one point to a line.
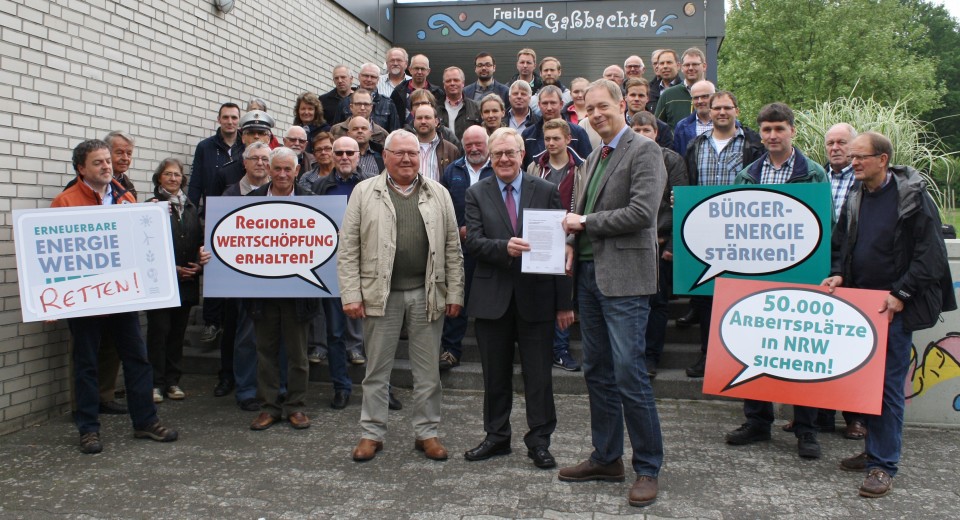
x=400, y=263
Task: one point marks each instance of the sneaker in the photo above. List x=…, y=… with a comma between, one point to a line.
x=176, y=393
x=697, y=369
x=877, y=484
x=856, y=463
x=565, y=361
x=448, y=360
x=209, y=333
x=90, y=443
x=157, y=432
x=748, y=434
x=314, y=356
x=356, y=358
x=807, y=446
x=157, y=395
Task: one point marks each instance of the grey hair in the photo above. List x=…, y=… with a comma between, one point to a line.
x=281, y=152
x=615, y=94
x=112, y=136
x=248, y=151
x=395, y=133
x=550, y=90
x=522, y=85
x=375, y=67
x=258, y=101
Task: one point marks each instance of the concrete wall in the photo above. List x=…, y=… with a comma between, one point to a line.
x=72, y=70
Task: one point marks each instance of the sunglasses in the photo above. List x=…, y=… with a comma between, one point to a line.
x=348, y=153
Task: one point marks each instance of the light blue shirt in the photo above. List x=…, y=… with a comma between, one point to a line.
x=516, y=191
x=616, y=139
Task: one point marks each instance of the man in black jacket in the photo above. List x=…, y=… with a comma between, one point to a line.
x=889, y=238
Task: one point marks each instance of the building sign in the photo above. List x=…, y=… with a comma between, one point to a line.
x=456, y=22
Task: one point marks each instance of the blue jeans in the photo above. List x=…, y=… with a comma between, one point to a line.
x=336, y=348
x=137, y=371
x=885, y=431
x=614, y=366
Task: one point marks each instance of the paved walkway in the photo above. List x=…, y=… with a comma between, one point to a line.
x=222, y=470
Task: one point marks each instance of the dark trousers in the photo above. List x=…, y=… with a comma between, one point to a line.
x=279, y=320
x=165, y=330
x=657, y=322
x=454, y=329
x=229, y=338
x=760, y=413
x=703, y=305
x=137, y=372
x=496, y=339
x=108, y=366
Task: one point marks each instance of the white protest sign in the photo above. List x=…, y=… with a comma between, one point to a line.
x=90, y=260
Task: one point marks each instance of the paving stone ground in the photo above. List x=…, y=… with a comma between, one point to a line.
x=219, y=469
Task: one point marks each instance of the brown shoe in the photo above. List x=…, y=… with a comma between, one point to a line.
x=431, y=448
x=855, y=463
x=299, y=420
x=877, y=484
x=856, y=430
x=263, y=421
x=643, y=492
x=590, y=470
x=366, y=450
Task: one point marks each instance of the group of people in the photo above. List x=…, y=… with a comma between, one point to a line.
x=438, y=178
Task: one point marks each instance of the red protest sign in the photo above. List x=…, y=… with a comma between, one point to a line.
x=797, y=344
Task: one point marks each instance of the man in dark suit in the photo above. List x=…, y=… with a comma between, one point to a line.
x=613, y=244
x=511, y=306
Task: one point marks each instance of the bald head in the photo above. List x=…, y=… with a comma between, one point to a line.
x=359, y=129
x=837, y=143
x=701, y=92
x=614, y=73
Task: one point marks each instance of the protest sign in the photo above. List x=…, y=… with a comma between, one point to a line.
x=797, y=344
x=772, y=232
x=90, y=260
x=273, y=247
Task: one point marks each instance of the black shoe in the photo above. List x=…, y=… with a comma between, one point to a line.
x=487, y=449
x=651, y=369
x=541, y=457
x=112, y=408
x=224, y=387
x=807, y=446
x=340, y=400
x=748, y=434
x=250, y=405
x=448, y=361
x=699, y=367
x=393, y=403
x=692, y=317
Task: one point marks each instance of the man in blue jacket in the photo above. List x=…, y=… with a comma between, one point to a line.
x=551, y=103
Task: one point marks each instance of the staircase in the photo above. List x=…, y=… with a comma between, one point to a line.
x=681, y=351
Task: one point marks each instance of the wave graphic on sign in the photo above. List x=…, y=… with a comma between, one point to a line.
x=664, y=26
x=440, y=20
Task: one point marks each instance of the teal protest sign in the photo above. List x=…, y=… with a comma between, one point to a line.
x=767, y=232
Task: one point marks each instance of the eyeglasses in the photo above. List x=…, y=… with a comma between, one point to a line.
x=860, y=158
x=348, y=153
x=325, y=149
x=690, y=65
x=484, y=65
x=296, y=140
x=401, y=154
x=509, y=154
x=633, y=66
x=703, y=96
x=419, y=69
x=259, y=159
x=722, y=108
x=362, y=105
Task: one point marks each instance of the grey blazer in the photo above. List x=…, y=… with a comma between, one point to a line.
x=623, y=225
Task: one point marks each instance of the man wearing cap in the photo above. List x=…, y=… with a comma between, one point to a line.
x=255, y=125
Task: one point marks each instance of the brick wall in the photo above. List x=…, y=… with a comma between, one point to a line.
x=72, y=70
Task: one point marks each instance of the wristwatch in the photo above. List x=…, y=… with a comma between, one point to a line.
x=583, y=220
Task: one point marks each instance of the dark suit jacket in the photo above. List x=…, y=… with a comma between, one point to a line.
x=623, y=225
x=497, y=277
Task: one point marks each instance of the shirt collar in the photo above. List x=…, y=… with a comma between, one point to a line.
x=616, y=139
x=515, y=183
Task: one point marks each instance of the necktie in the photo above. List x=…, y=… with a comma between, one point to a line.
x=511, y=206
x=605, y=152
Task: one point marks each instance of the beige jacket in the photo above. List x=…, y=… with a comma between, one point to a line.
x=368, y=241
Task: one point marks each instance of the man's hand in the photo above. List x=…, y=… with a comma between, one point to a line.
x=453, y=310
x=568, y=251
x=833, y=282
x=463, y=233
x=564, y=319
x=891, y=306
x=516, y=246
x=571, y=224
x=667, y=256
x=189, y=272
x=354, y=310
x=204, y=256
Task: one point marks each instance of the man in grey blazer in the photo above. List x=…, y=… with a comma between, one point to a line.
x=511, y=306
x=613, y=252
